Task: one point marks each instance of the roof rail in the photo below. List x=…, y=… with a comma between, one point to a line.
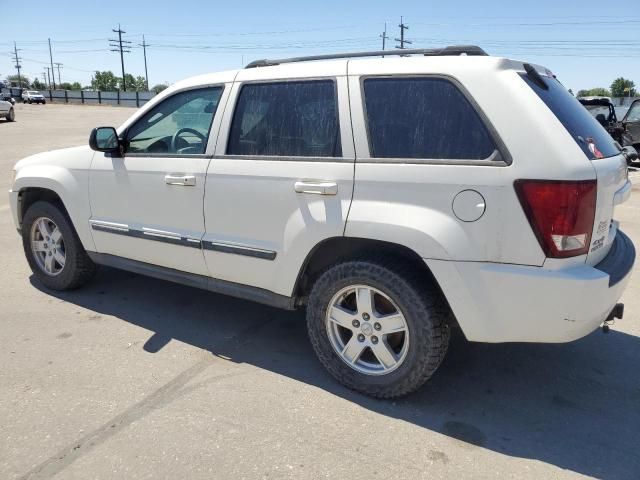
x=452, y=50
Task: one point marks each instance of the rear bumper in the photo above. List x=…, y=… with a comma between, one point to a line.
x=514, y=303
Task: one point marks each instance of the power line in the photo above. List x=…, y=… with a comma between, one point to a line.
x=59, y=78
x=17, y=64
x=384, y=37
x=402, y=41
x=144, y=46
x=118, y=44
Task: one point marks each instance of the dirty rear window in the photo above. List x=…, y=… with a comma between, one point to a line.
x=590, y=136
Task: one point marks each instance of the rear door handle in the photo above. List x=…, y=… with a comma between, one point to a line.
x=319, y=187
x=184, y=180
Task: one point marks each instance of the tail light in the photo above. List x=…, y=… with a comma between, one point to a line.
x=561, y=214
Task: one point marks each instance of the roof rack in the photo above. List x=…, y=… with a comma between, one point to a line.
x=471, y=50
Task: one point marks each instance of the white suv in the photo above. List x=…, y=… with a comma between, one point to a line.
x=394, y=198
x=31, y=96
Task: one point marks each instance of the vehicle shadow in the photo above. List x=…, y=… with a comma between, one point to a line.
x=575, y=406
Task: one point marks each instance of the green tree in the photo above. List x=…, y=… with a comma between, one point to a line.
x=105, y=81
x=160, y=87
x=133, y=83
x=621, y=87
x=70, y=86
x=595, y=92
x=38, y=85
x=13, y=81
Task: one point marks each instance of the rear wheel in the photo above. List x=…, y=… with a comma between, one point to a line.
x=11, y=116
x=52, y=247
x=378, y=328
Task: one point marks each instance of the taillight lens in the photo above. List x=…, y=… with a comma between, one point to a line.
x=560, y=213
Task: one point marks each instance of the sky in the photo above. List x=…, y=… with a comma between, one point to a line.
x=584, y=45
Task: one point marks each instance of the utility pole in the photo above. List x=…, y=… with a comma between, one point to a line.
x=51, y=60
x=118, y=47
x=144, y=46
x=384, y=37
x=44, y=79
x=59, y=79
x=18, y=66
x=48, y=76
x=402, y=41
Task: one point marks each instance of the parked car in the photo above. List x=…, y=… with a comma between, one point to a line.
x=605, y=113
x=31, y=96
x=6, y=96
x=6, y=111
x=393, y=198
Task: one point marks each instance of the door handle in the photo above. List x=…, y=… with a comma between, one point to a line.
x=184, y=180
x=318, y=187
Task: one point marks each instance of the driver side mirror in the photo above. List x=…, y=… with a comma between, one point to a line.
x=105, y=139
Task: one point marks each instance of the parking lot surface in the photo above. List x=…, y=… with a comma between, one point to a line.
x=138, y=378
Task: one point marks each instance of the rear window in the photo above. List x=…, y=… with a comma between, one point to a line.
x=422, y=117
x=590, y=136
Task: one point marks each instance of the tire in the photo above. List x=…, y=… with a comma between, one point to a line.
x=11, y=116
x=426, y=320
x=44, y=102
x=77, y=269
x=30, y=102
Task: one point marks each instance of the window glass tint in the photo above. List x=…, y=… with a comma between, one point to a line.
x=286, y=119
x=178, y=125
x=425, y=118
x=592, y=138
x=634, y=113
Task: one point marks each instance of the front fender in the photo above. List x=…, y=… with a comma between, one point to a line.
x=66, y=173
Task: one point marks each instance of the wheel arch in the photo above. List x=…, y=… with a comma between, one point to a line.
x=336, y=249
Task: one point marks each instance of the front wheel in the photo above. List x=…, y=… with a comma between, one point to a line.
x=11, y=116
x=52, y=247
x=379, y=328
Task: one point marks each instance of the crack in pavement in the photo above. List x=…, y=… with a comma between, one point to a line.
x=158, y=399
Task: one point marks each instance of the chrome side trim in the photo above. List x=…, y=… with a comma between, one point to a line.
x=239, y=250
x=177, y=239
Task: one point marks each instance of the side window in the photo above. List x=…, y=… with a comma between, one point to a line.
x=286, y=119
x=426, y=118
x=178, y=125
x=634, y=113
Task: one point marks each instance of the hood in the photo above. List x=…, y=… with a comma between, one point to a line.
x=57, y=157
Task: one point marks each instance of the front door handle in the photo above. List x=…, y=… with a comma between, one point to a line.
x=319, y=187
x=184, y=180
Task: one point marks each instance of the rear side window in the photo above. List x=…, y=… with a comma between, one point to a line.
x=590, y=136
x=286, y=119
x=427, y=118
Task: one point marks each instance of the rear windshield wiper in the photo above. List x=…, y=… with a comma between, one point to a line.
x=535, y=77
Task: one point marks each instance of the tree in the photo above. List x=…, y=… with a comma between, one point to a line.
x=105, y=81
x=595, y=92
x=70, y=86
x=13, y=81
x=160, y=87
x=621, y=87
x=38, y=85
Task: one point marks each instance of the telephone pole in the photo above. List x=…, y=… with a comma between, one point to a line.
x=59, y=79
x=384, y=37
x=144, y=46
x=48, y=76
x=18, y=66
x=117, y=46
x=51, y=60
x=44, y=79
x=402, y=41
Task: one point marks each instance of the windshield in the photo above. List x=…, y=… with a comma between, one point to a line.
x=592, y=138
x=33, y=93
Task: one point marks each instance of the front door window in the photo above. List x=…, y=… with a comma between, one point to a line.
x=179, y=125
